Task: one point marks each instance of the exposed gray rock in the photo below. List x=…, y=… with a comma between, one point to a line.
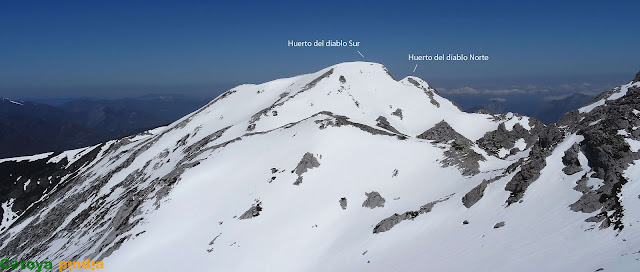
x=428, y=91
x=252, y=212
x=397, y=112
x=354, y=100
x=606, y=223
x=335, y=120
x=374, y=200
x=342, y=80
x=307, y=162
x=494, y=141
x=110, y=219
x=181, y=142
x=530, y=170
x=581, y=185
x=43, y=176
x=608, y=155
x=597, y=218
x=271, y=109
x=389, y=222
x=499, y=225
x=251, y=127
x=113, y=229
x=570, y=160
x=318, y=79
x=460, y=153
x=387, y=71
x=465, y=222
x=382, y=122
x=200, y=146
x=465, y=159
x=442, y=132
x=213, y=242
x=343, y=203
x=588, y=203
x=475, y=194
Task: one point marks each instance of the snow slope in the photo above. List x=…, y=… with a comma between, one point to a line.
x=328, y=171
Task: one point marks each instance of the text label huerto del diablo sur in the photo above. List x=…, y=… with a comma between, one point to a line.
x=323, y=43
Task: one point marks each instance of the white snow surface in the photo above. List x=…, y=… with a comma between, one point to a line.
x=28, y=158
x=302, y=227
x=619, y=92
x=8, y=216
x=513, y=119
x=70, y=155
x=634, y=145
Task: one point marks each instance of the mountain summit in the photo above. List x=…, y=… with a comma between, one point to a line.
x=344, y=169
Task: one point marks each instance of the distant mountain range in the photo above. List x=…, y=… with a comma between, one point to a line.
x=553, y=110
x=547, y=111
x=30, y=127
x=493, y=106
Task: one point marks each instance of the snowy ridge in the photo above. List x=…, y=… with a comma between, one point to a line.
x=614, y=94
x=27, y=158
x=344, y=169
x=11, y=101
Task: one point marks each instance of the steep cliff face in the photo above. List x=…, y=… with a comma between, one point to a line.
x=344, y=169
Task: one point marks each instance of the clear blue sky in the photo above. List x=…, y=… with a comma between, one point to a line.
x=79, y=47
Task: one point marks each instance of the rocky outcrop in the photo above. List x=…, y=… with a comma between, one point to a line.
x=335, y=120
x=252, y=212
x=383, y=123
x=307, y=162
x=314, y=82
x=460, y=154
x=374, y=200
x=442, y=132
x=529, y=172
x=475, y=194
x=283, y=98
x=428, y=91
x=608, y=155
x=26, y=182
x=389, y=222
x=343, y=203
x=570, y=160
x=501, y=138
x=398, y=113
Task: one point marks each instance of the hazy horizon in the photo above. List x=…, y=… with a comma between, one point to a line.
x=106, y=49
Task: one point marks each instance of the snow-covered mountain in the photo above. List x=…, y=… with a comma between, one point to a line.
x=345, y=169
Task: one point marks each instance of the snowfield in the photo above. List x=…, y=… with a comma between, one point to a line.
x=344, y=169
